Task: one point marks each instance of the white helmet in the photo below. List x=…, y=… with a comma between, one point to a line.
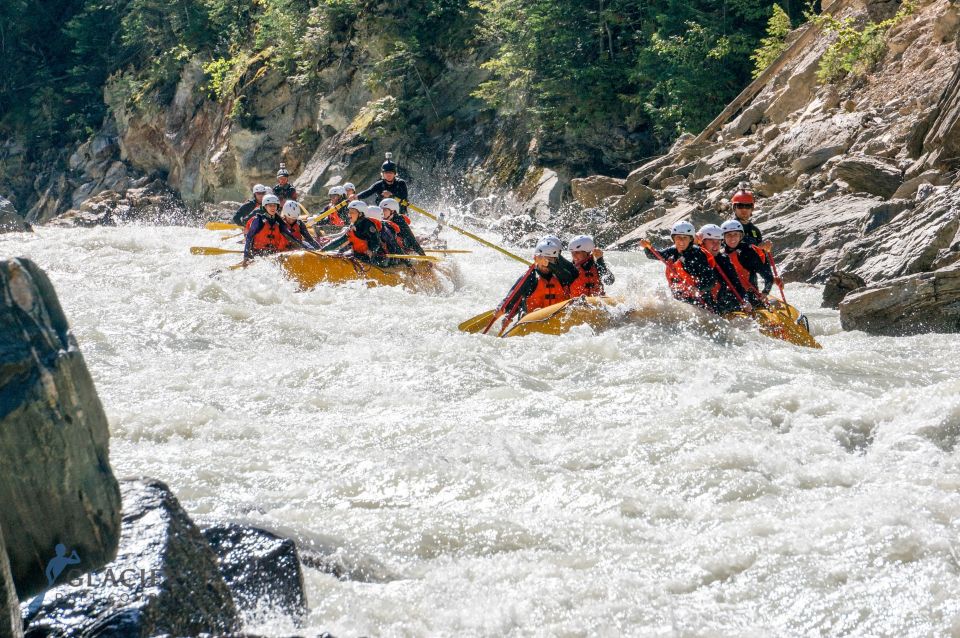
x=337, y=190
x=711, y=231
x=555, y=241
x=374, y=212
x=390, y=203
x=291, y=210
x=271, y=199
x=683, y=228
x=358, y=205
x=731, y=226
x=547, y=249
x=349, y=187
x=260, y=188
x=583, y=243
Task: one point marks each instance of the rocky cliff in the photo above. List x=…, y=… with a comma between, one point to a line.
x=857, y=177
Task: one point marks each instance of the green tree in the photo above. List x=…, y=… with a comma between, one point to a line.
x=774, y=43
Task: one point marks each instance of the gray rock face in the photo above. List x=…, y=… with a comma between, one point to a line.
x=165, y=580
x=10, y=625
x=261, y=569
x=926, y=302
x=869, y=175
x=152, y=202
x=10, y=220
x=57, y=485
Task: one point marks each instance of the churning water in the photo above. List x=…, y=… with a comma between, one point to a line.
x=651, y=480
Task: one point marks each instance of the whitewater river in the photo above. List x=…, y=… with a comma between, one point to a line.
x=648, y=481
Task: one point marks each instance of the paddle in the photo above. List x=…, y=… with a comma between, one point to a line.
x=776, y=274
x=221, y=226
x=508, y=301
x=466, y=233
x=449, y=252
x=210, y=250
x=324, y=215
x=478, y=323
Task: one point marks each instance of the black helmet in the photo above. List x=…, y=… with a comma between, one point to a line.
x=388, y=165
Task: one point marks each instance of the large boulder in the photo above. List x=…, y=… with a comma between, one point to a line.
x=868, y=175
x=926, y=302
x=57, y=483
x=838, y=286
x=10, y=220
x=261, y=569
x=590, y=192
x=165, y=580
x=148, y=202
x=10, y=625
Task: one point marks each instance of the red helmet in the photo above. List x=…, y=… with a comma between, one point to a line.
x=742, y=197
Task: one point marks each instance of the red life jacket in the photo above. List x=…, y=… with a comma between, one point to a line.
x=396, y=232
x=294, y=229
x=742, y=272
x=548, y=292
x=334, y=218
x=587, y=283
x=269, y=238
x=360, y=246
x=682, y=284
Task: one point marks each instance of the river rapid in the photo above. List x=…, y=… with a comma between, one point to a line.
x=657, y=479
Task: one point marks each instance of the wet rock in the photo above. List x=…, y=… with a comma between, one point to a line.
x=57, y=483
x=590, y=192
x=165, y=580
x=10, y=220
x=261, y=569
x=10, y=625
x=869, y=175
x=925, y=302
x=633, y=202
x=838, y=286
x=154, y=203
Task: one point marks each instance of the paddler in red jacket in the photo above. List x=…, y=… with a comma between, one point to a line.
x=592, y=271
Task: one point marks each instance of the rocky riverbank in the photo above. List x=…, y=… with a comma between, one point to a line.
x=80, y=553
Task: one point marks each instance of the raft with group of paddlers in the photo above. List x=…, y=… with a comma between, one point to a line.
x=718, y=269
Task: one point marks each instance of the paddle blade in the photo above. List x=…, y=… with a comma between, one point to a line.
x=478, y=323
x=416, y=257
x=221, y=226
x=210, y=250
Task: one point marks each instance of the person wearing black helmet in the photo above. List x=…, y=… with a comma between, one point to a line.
x=390, y=186
x=284, y=189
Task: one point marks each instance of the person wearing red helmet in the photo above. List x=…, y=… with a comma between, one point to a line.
x=743, y=205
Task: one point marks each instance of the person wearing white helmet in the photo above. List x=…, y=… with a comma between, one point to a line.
x=401, y=226
x=592, y=271
x=728, y=294
x=266, y=232
x=544, y=283
x=362, y=237
x=562, y=266
x=350, y=191
x=388, y=235
x=338, y=201
x=284, y=189
x=248, y=208
x=690, y=276
x=296, y=230
x=749, y=261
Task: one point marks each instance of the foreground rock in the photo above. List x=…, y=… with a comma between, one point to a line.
x=261, y=569
x=10, y=220
x=165, y=580
x=9, y=607
x=57, y=485
x=926, y=302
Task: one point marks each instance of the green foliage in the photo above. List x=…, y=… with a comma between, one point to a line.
x=774, y=43
x=857, y=49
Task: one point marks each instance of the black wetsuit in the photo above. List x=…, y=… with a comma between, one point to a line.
x=753, y=264
x=365, y=230
x=245, y=212
x=751, y=234
x=397, y=189
x=694, y=262
x=305, y=233
x=285, y=192
x=410, y=242
x=723, y=299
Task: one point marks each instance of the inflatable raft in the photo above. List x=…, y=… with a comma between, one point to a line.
x=781, y=322
x=309, y=269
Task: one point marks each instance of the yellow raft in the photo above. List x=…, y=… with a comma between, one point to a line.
x=309, y=269
x=780, y=323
